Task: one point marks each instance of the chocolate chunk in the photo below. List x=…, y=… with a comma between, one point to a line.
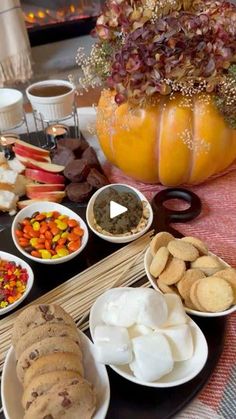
x=79, y=192
x=48, y=417
x=66, y=402
x=63, y=393
x=43, y=308
x=32, y=355
x=96, y=179
x=48, y=317
x=28, y=405
x=34, y=394
x=27, y=365
x=77, y=170
x=63, y=156
x=90, y=155
x=75, y=382
x=77, y=145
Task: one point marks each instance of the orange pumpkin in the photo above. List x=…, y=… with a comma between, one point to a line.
x=170, y=142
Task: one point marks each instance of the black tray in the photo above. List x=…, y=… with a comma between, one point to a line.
x=129, y=400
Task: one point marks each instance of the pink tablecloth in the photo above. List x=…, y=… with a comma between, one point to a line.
x=217, y=226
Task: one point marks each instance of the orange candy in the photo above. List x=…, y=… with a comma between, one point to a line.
x=74, y=245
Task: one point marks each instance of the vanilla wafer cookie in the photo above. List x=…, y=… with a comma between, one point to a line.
x=166, y=289
x=160, y=240
x=173, y=271
x=183, y=250
x=185, y=283
x=208, y=264
x=199, y=244
x=229, y=274
x=214, y=294
x=159, y=261
x=193, y=296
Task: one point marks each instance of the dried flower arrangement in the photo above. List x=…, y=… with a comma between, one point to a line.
x=148, y=48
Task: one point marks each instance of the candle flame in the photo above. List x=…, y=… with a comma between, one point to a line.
x=3, y=141
x=54, y=130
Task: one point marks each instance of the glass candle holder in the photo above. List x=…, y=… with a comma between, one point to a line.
x=6, y=144
x=56, y=132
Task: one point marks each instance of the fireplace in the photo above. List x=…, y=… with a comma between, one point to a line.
x=54, y=20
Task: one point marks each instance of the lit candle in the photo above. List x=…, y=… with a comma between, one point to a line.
x=56, y=132
x=6, y=143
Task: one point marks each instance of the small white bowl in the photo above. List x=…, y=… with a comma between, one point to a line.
x=12, y=390
x=55, y=107
x=11, y=108
x=182, y=372
x=117, y=239
x=45, y=206
x=147, y=263
x=11, y=258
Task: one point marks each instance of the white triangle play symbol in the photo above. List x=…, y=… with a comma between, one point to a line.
x=116, y=209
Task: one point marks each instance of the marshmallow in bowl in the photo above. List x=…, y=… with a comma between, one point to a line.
x=176, y=313
x=113, y=345
x=139, y=306
x=121, y=311
x=153, y=309
x=139, y=330
x=152, y=357
x=180, y=340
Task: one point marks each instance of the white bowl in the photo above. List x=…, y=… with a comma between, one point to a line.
x=11, y=108
x=147, y=263
x=12, y=390
x=182, y=372
x=24, y=265
x=45, y=206
x=117, y=239
x=52, y=108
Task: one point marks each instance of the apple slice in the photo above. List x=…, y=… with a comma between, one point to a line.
x=54, y=196
x=28, y=154
x=44, y=177
x=33, y=164
x=43, y=187
x=29, y=147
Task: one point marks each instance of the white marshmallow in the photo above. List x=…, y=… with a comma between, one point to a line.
x=113, y=345
x=176, y=313
x=180, y=340
x=139, y=330
x=153, y=310
x=152, y=357
x=121, y=311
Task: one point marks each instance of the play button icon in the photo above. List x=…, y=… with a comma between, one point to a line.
x=116, y=209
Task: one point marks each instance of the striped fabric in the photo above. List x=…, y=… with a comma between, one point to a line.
x=217, y=226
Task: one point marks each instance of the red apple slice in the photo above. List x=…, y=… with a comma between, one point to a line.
x=55, y=196
x=33, y=148
x=44, y=177
x=33, y=164
x=35, y=188
x=28, y=154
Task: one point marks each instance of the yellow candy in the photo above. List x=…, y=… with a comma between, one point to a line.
x=62, y=252
x=34, y=242
x=61, y=225
x=55, y=257
x=64, y=235
x=45, y=254
x=36, y=226
x=63, y=217
x=49, y=214
x=56, y=238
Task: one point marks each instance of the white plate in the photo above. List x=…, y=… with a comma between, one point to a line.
x=147, y=263
x=24, y=265
x=11, y=389
x=182, y=372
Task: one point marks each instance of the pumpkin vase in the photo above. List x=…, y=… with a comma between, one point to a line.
x=176, y=141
